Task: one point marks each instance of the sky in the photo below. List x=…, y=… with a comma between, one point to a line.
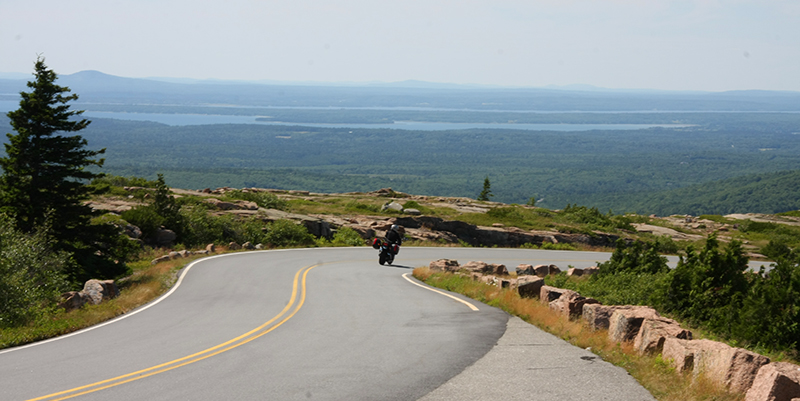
x=708, y=45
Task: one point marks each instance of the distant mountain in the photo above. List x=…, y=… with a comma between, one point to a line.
x=97, y=87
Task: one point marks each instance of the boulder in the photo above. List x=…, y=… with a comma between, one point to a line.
x=549, y=294
x=734, y=368
x=554, y=270
x=98, y=290
x=73, y=300
x=486, y=268
x=158, y=260
x=185, y=253
x=570, y=304
x=542, y=270
x=777, y=381
x=524, y=270
x=624, y=324
x=654, y=332
x=392, y=206
x=412, y=211
x=234, y=246
x=597, y=315
x=446, y=265
x=248, y=245
x=574, y=271
x=590, y=270
x=211, y=248
x=498, y=269
x=174, y=255
x=680, y=353
x=165, y=237
x=476, y=266
x=503, y=282
x=529, y=286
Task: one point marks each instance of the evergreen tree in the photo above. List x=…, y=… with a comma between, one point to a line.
x=487, y=190
x=44, y=178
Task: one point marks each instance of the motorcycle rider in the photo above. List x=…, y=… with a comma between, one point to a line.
x=394, y=235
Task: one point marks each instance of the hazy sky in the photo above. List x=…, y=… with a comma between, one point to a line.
x=647, y=44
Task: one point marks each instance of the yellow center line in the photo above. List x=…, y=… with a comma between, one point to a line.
x=199, y=356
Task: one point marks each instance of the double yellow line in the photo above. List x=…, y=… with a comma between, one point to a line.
x=199, y=356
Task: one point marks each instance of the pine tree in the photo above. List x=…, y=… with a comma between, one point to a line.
x=44, y=178
x=487, y=190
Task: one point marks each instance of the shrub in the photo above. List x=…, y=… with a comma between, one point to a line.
x=637, y=258
x=346, y=236
x=284, y=233
x=31, y=274
x=146, y=218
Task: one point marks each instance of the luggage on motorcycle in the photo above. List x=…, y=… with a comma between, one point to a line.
x=395, y=249
x=376, y=243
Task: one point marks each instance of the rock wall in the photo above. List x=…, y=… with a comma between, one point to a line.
x=737, y=369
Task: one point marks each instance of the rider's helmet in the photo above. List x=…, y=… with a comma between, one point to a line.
x=395, y=227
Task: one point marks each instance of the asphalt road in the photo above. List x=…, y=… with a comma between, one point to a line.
x=321, y=324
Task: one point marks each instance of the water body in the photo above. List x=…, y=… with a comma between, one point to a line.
x=206, y=119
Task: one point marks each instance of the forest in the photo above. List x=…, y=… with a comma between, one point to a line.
x=714, y=168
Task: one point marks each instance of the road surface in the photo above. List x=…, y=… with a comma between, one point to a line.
x=320, y=324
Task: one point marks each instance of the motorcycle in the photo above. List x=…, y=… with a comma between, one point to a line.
x=387, y=250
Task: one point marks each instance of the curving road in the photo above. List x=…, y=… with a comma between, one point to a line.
x=326, y=324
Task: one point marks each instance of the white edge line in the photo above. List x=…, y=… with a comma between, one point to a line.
x=471, y=306
x=118, y=318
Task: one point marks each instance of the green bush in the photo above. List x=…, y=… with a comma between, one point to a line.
x=285, y=233
x=146, y=218
x=31, y=275
x=344, y=236
x=637, y=258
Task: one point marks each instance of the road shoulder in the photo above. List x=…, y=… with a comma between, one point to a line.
x=528, y=363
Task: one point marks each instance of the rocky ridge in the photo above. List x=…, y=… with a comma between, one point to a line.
x=443, y=230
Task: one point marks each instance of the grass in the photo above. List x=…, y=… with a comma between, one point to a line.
x=145, y=284
x=652, y=372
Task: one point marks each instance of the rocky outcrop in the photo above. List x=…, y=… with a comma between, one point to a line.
x=501, y=236
x=234, y=205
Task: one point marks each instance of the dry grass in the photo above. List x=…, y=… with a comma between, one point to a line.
x=145, y=284
x=660, y=379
